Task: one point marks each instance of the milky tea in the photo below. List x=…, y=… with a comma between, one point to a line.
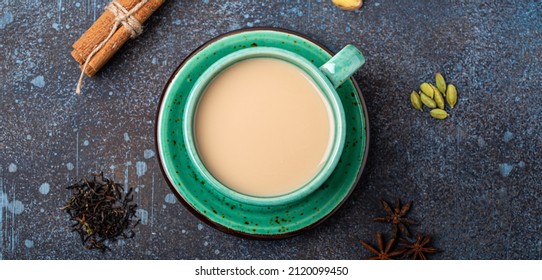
x=263, y=127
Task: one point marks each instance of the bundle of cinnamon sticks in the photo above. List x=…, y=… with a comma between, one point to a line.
x=100, y=42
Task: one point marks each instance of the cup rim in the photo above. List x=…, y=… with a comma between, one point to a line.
x=327, y=90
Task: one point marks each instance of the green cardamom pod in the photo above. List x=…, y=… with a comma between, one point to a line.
x=438, y=114
x=439, y=99
x=436, y=89
x=440, y=82
x=416, y=101
x=451, y=95
x=427, y=90
x=427, y=101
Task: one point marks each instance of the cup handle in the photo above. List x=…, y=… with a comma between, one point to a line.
x=343, y=64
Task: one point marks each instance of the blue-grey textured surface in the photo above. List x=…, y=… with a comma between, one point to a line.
x=475, y=178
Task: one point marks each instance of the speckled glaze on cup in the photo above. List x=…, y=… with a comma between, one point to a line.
x=334, y=72
x=229, y=215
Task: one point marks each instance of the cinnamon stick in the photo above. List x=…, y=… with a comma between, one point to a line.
x=99, y=31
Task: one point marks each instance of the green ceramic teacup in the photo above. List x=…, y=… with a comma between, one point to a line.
x=327, y=77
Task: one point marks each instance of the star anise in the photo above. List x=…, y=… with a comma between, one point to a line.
x=397, y=218
x=419, y=249
x=382, y=253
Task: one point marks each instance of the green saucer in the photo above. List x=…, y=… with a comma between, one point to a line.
x=244, y=219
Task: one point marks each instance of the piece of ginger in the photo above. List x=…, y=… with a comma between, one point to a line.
x=349, y=5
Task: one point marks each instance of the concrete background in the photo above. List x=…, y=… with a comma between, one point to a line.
x=475, y=178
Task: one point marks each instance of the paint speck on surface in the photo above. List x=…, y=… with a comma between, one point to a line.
x=42, y=210
x=70, y=166
x=250, y=24
x=6, y=19
x=29, y=243
x=521, y=164
x=57, y=26
x=217, y=252
x=126, y=137
x=348, y=29
x=246, y=15
x=38, y=81
x=44, y=188
x=3, y=200
x=141, y=168
x=481, y=142
x=77, y=4
x=508, y=136
x=205, y=243
x=200, y=226
x=85, y=143
x=148, y=153
x=143, y=215
x=16, y=207
x=505, y=169
x=183, y=231
x=121, y=242
x=28, y=137
x=112, y=167
x=170, y=198
x=12, y=167
x=164, y=206
x=177, y=22
x=377, y=4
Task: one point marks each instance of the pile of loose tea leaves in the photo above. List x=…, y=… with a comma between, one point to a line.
x=399, y=246
x=102, y=211
x=433, y=97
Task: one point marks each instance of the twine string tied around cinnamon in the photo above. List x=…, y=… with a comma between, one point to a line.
x=122, y=17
